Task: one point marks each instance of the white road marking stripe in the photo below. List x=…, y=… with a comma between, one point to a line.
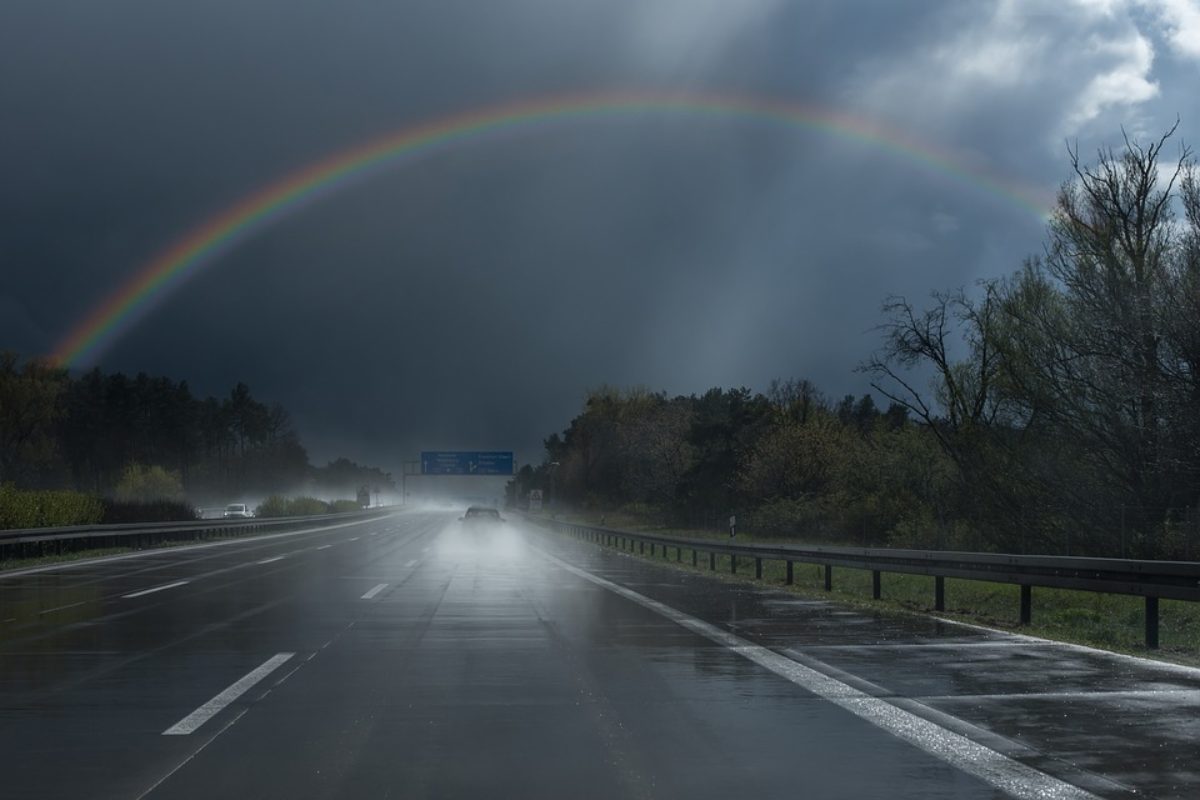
x=325, y=547
x=373, y=533
x=1176, y=695
x=192, y=755
x=354, y=538
x=63, y=608
x=152, y=590
x=240, y=540
x=923, y=646
x=1165, y=666
x=1006, y=774
x=235, y=690
x=410, y=563
x=271, y=560
x=374, y=591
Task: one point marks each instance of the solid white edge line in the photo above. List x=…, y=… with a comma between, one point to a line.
x=154, y=551
x=235, y=690
x=1010, y=776
x=370, y=593
x=1150, y=663
x=1175, y=695
x=154, y=589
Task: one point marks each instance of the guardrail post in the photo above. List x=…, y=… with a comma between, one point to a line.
x=790, y=576
x=695, y=556
x=939, y=593
x=678, y=554
x=652, y=549
x=733, y=563
x=712, y=561
x=1152, y=623
x=758, y=569
x=876, y=589
x=829, y=577
x=642, y=543
x=1026, y=603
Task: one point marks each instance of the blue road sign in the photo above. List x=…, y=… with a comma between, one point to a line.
x=467, y=462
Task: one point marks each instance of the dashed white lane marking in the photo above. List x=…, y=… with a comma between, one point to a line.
x=235, y=690
x=325, y=547
x=374, y=590
x=60, y=608
x=373, y=533
x=192, y=755
x=424, y=549
x=354, y=538
x=1006, y=774
x=153, y=589
x=271, y=560
x=410, y=563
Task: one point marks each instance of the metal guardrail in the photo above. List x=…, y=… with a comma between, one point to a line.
x=1174, y=580
x=34, y=542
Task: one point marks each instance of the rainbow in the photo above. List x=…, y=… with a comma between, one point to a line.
x=170, y=268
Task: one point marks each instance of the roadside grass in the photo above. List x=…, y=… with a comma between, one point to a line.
x=1107, y=621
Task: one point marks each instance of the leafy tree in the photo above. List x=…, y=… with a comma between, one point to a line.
x=145, y=484
x=1100, y=338
x=30, y=395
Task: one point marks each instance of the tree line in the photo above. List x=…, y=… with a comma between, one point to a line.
x=1055, y=410
x=108, y=434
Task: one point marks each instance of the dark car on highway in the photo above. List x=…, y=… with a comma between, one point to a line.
x=481, y=518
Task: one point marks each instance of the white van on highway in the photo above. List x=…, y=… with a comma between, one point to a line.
x=238, y=511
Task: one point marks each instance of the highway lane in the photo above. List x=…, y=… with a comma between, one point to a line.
x=398, y=658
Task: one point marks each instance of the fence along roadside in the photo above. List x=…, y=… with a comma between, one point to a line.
x=1152, y=580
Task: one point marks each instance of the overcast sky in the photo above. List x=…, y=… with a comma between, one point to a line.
x=468, y=300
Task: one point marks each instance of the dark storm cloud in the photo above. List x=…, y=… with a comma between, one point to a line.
x=469, y=299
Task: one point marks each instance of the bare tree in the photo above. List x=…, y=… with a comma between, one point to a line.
x=962, y=399
x=1099, y=336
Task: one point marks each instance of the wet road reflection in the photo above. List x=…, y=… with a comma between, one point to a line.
x=427, y=660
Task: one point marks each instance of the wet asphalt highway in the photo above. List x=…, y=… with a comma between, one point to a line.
x=405, y=658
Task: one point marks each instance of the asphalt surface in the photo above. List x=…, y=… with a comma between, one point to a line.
x=407, y=658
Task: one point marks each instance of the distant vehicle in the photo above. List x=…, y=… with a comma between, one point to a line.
x=478, y=517
x=238, y=511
